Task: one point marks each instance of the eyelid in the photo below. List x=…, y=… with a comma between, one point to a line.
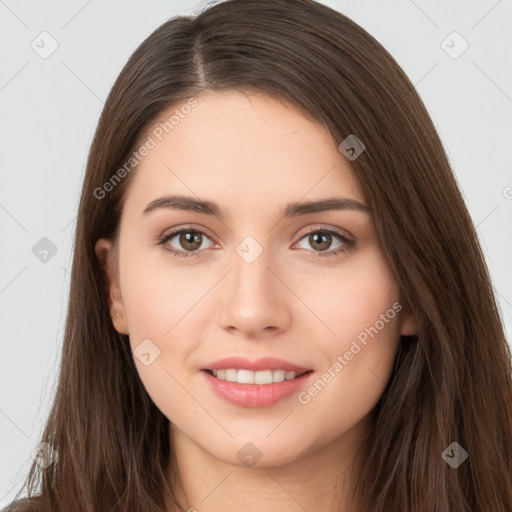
x=331, y=229
x=191, y=227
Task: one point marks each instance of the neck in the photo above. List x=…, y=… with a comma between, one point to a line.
x=323, y=479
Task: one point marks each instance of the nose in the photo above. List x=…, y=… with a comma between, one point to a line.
x=256, y=302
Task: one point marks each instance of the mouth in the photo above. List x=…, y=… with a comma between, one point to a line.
x=260, y=377
x=256, y=388
x=262, y=382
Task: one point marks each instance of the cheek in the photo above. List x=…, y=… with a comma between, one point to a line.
x=351, y=298
x=159, y=296
x=159, y=302
x=361, y=312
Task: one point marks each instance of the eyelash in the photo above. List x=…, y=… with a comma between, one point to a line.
x=348, y=243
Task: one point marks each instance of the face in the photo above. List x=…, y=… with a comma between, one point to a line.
x=249, y=277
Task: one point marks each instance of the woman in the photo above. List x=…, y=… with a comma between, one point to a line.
x=278, y=297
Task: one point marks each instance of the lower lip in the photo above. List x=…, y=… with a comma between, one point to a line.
x=255, y=395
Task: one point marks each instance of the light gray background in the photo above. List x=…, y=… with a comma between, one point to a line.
x=50, y=107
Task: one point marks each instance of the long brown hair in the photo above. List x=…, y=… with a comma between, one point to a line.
x=452, y=383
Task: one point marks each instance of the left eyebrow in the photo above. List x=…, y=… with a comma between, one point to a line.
x=177, y=202
x=330, y=203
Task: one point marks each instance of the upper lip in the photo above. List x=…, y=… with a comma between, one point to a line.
x=263, y=363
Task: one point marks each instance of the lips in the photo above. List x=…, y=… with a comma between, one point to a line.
x=255, y=383
x=264, y=363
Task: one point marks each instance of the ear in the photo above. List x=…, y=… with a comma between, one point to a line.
x=408, y=321
x=107, y=257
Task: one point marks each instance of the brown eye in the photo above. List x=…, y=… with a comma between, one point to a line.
x=320, y=240
x=189, y=241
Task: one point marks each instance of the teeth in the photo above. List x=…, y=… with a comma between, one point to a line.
x=231, y=375
x=278, y=375
x=250, y=377
x=245, y=377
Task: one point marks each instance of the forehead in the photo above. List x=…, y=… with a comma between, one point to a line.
x=241, y=147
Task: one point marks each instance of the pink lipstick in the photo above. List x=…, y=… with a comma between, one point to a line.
x=255, y=383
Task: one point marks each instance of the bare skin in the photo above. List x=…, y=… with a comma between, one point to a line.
x=253, y=155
